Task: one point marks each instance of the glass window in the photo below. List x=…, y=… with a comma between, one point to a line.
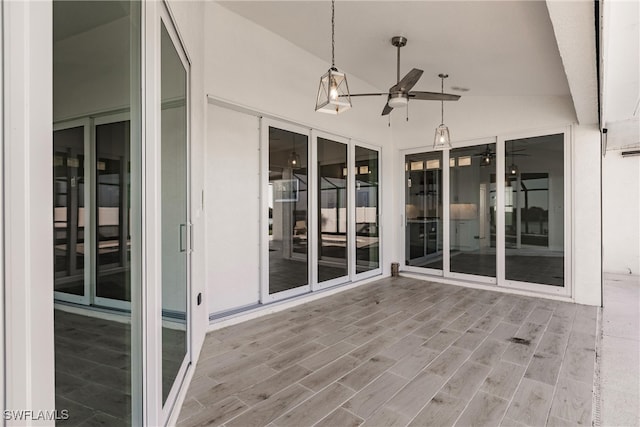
x=112, y=214
x=69, y=210
x=472, y=222
x=332, y=210
x=423, y=210
x=534, y=210
x=175, y=190
x=96, y=68
x=367, y=225
x=288, y=210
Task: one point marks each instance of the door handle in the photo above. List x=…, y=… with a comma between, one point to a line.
x=182, y=237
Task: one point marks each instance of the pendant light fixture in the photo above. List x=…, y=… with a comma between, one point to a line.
x=333, y=93
x=294, y=158
x=442, y=138
x=513, y=169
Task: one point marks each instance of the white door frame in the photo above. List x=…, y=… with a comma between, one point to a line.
x=352, y=215
x=567, y=289
x=403, y=215
x=84, y=299
x=500, y=280
x=167, y=19
x=315, y=196
x=447, y=214
x=265, y=124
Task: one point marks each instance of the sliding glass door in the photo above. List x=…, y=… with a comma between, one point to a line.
x=472, y=223
x=70, y=222
x=332, y=211
x=97, y=170
x=534, y=214
x=367, y=214
x=320, y=210
x=288, y=207
x=423, y=211
x=504, y=220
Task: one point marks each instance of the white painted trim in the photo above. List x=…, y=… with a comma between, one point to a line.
x=567, y=289
x=312, y=210
x=28, y=178
x=266, y=123
x=152, y=224
x=2, y=223
x=315, y=237
x=85, y=123
x=375, y=271
x=446, y=214
x=172, y=403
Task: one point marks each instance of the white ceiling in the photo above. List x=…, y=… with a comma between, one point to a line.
x=495, y=48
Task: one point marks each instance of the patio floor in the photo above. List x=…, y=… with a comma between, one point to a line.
x=401, y=352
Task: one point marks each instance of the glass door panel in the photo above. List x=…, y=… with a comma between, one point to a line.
x=288, y=210
x=96, y=67
x=113, y=238
x=332, y=210
x=69, y=210
x=534, y=210
x=423, y=210
x=472, y=222
x=367, y=213
x=175, y=213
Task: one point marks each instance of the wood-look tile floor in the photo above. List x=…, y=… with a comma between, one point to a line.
x=401, y=352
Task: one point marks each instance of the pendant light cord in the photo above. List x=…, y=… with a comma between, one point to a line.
x=442, y=101
x=333, y=26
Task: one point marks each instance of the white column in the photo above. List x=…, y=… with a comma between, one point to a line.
x=28, y=238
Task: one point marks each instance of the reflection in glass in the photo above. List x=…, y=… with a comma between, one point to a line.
x=96, y=67
x=174, y=211
x=534, y=210
x=288, y=259
x=69, y=210
x=332, y=215
x=423, y=210
x=112, y=215
x=367, y=226
x=471, y=219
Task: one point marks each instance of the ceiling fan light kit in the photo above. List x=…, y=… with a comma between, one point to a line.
x=442, y=138
x=333, y=93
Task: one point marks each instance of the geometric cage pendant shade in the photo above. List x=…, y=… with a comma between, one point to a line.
x=333, y=93
x=442, y=139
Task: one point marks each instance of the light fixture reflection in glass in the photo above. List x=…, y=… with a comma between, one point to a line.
x=294, y=160
x=513, y=169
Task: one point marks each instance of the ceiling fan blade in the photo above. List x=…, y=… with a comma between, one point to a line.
x=408, y=81
x=367, y=94
x=387, y=109
x=433, y=96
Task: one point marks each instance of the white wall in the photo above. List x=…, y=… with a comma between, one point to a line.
x=587, y=239
x=232, y=205
x=250, y=66
x=621, y=213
